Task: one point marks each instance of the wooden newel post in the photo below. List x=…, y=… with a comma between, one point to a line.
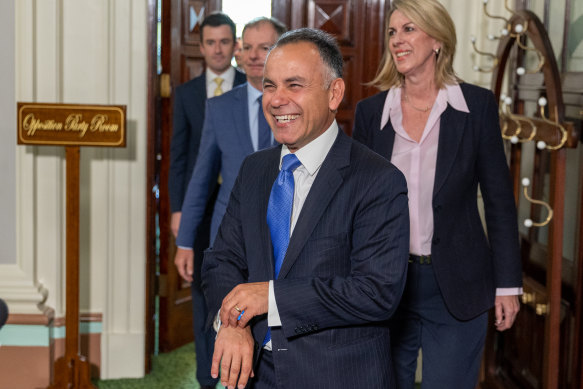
x=71, y=126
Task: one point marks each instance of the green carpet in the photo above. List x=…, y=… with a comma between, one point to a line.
x=174, y=370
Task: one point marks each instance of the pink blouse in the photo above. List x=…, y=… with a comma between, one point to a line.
x=417, y=161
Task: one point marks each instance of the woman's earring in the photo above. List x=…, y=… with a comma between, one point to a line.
x=436, y=51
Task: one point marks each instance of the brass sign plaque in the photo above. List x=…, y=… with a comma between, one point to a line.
x=71, y=124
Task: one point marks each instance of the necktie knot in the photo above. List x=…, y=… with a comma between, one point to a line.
x=290, y=162
x=218, y=81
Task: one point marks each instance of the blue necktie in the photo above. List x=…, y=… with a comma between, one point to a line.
x=264, y=135
x=279, y=210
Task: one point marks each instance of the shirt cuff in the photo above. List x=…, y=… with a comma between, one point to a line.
x=184, y=248
x=217, y=322
x=508, y=291
x=273, y=319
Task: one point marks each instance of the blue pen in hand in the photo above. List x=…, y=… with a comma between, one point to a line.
x=240, y=315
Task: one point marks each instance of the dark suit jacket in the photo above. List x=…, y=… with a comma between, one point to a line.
x=225, y=142
x=344, y=270
x=468, y=265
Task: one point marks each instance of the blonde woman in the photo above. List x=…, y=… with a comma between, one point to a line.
x=444, y=135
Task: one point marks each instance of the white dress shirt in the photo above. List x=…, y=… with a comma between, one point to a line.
x=311, y=157
x=228, y=79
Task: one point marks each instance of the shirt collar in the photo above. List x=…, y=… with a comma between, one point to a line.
x=451, y=94
x=228, y=75
x=313, y=154
x=253, y=93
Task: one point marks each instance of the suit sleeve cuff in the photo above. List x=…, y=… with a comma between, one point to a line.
x=508, y=291
x=273, y=319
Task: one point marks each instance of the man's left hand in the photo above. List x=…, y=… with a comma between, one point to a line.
x=234, y=354
x=252, y=298
x=506, y=309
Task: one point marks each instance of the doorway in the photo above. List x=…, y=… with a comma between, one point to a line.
x=175, y=58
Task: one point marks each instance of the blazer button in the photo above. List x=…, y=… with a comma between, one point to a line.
x=437, y=209
x=435, y=240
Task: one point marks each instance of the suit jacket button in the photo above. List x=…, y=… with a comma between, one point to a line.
x=435, y=240
x=437, y=209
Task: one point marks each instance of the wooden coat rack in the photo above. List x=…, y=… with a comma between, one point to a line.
x=554, y=134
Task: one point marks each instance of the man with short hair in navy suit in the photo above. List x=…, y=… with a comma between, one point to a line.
x=310, y=258
x=217, y=45
x=234, y=127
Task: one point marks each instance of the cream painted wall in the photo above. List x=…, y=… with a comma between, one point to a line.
x=7, y=146
x=94, y=52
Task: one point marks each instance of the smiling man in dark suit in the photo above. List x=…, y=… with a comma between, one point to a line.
x=309, y=262
x=217, y=46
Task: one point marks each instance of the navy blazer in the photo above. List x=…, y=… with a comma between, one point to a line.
x=468, y=265
x=187, y=121
x=343, y=273
x=225, y=142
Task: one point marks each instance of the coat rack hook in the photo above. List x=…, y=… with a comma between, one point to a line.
x=529, y=222
x=484, y=54
x=542, y=102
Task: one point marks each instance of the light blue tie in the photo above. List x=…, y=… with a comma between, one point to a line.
x=279, y=210
x=264, y=135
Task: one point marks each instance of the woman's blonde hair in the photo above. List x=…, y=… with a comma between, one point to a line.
x=432, y=18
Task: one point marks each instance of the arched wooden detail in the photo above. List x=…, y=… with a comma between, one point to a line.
x=536, y=33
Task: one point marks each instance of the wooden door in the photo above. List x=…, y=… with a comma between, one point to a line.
x=180, y=61
x=359, y=28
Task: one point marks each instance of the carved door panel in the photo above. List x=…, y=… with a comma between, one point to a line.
x=359, y=27
x=180, y=61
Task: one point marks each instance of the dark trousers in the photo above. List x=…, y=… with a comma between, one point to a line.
x=204, y=340
x=264, y=372
x=452, y=349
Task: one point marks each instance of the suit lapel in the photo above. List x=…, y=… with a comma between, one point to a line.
x=272, y=169
x=451, y=130
x=386, y=139
x=240, y=78
x=323, y=190
x=241, y=120
x=199, y=93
